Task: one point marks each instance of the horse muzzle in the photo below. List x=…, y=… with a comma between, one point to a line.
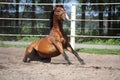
x=66, y=18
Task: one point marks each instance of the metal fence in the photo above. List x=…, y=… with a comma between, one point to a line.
x=72, y=21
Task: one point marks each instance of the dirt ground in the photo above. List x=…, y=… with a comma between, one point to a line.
x=97, y=67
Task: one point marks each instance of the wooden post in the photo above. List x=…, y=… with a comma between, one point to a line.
x=73, y=18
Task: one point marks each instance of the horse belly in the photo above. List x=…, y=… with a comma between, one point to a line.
x=47, y=49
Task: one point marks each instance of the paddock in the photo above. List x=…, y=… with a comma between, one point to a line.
x=97, y=67
x=30, y=22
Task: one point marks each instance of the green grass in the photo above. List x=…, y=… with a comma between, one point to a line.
x=100, y=51
x=10, y=45
x=99, y=41
x=91, y=51
x=26, y=39
x=29, y=39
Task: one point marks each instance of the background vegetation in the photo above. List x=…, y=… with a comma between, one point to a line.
x=95, y=12
x=99, y=12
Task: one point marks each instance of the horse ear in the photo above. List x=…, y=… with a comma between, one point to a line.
x=54, y=7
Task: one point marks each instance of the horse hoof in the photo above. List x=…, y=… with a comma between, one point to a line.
x=24, y=61
x=82, y=63
x=46, y=60
x=69, y=63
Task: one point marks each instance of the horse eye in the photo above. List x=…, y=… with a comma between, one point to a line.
x=58, y=11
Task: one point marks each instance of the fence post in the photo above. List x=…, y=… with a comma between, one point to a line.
x=73, y=17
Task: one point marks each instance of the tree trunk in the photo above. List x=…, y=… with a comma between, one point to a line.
x=100, y=7
x=1, y=15
x=83, y=18
x=1, y=21
x=114, y=17
x=17, y=16
x=33, y=17
x=109, y=18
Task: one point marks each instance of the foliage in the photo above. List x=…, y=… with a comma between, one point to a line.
x=9, y=38
x=29, y=39
x=18, y=38
x=43, y=12
x=113, y=41
x=25, y=30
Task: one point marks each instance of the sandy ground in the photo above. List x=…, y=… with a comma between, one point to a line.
x=97, y=67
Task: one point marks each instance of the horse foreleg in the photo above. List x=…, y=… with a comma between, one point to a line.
x=70, y=49
x=60, y=49
x=66, y=58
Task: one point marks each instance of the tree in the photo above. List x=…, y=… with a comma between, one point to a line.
x=113, y=15
x=83, y=17
x=100, y=8
x=109, y=17
x=17, y=16
x=33, y=17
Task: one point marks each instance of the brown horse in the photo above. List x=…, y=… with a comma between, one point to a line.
x=55, y=43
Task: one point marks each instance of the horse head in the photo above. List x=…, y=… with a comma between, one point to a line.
x=60, y=13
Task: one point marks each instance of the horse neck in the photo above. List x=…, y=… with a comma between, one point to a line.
x=57, y=24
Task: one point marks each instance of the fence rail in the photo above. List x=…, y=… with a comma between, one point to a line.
x=49, y=28
x=71, y=20
x=41, y=4
x=29, y=19
x=79, y=36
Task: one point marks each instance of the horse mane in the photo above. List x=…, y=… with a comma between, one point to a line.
x=51, y=18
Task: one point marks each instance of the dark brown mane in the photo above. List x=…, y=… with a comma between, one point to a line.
x=51, y=18
x=60, y=6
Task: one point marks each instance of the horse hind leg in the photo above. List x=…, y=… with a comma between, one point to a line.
x=70, y=49
x=27, y=54
x=32, y=55
x=78, y=57
x=46, y=60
